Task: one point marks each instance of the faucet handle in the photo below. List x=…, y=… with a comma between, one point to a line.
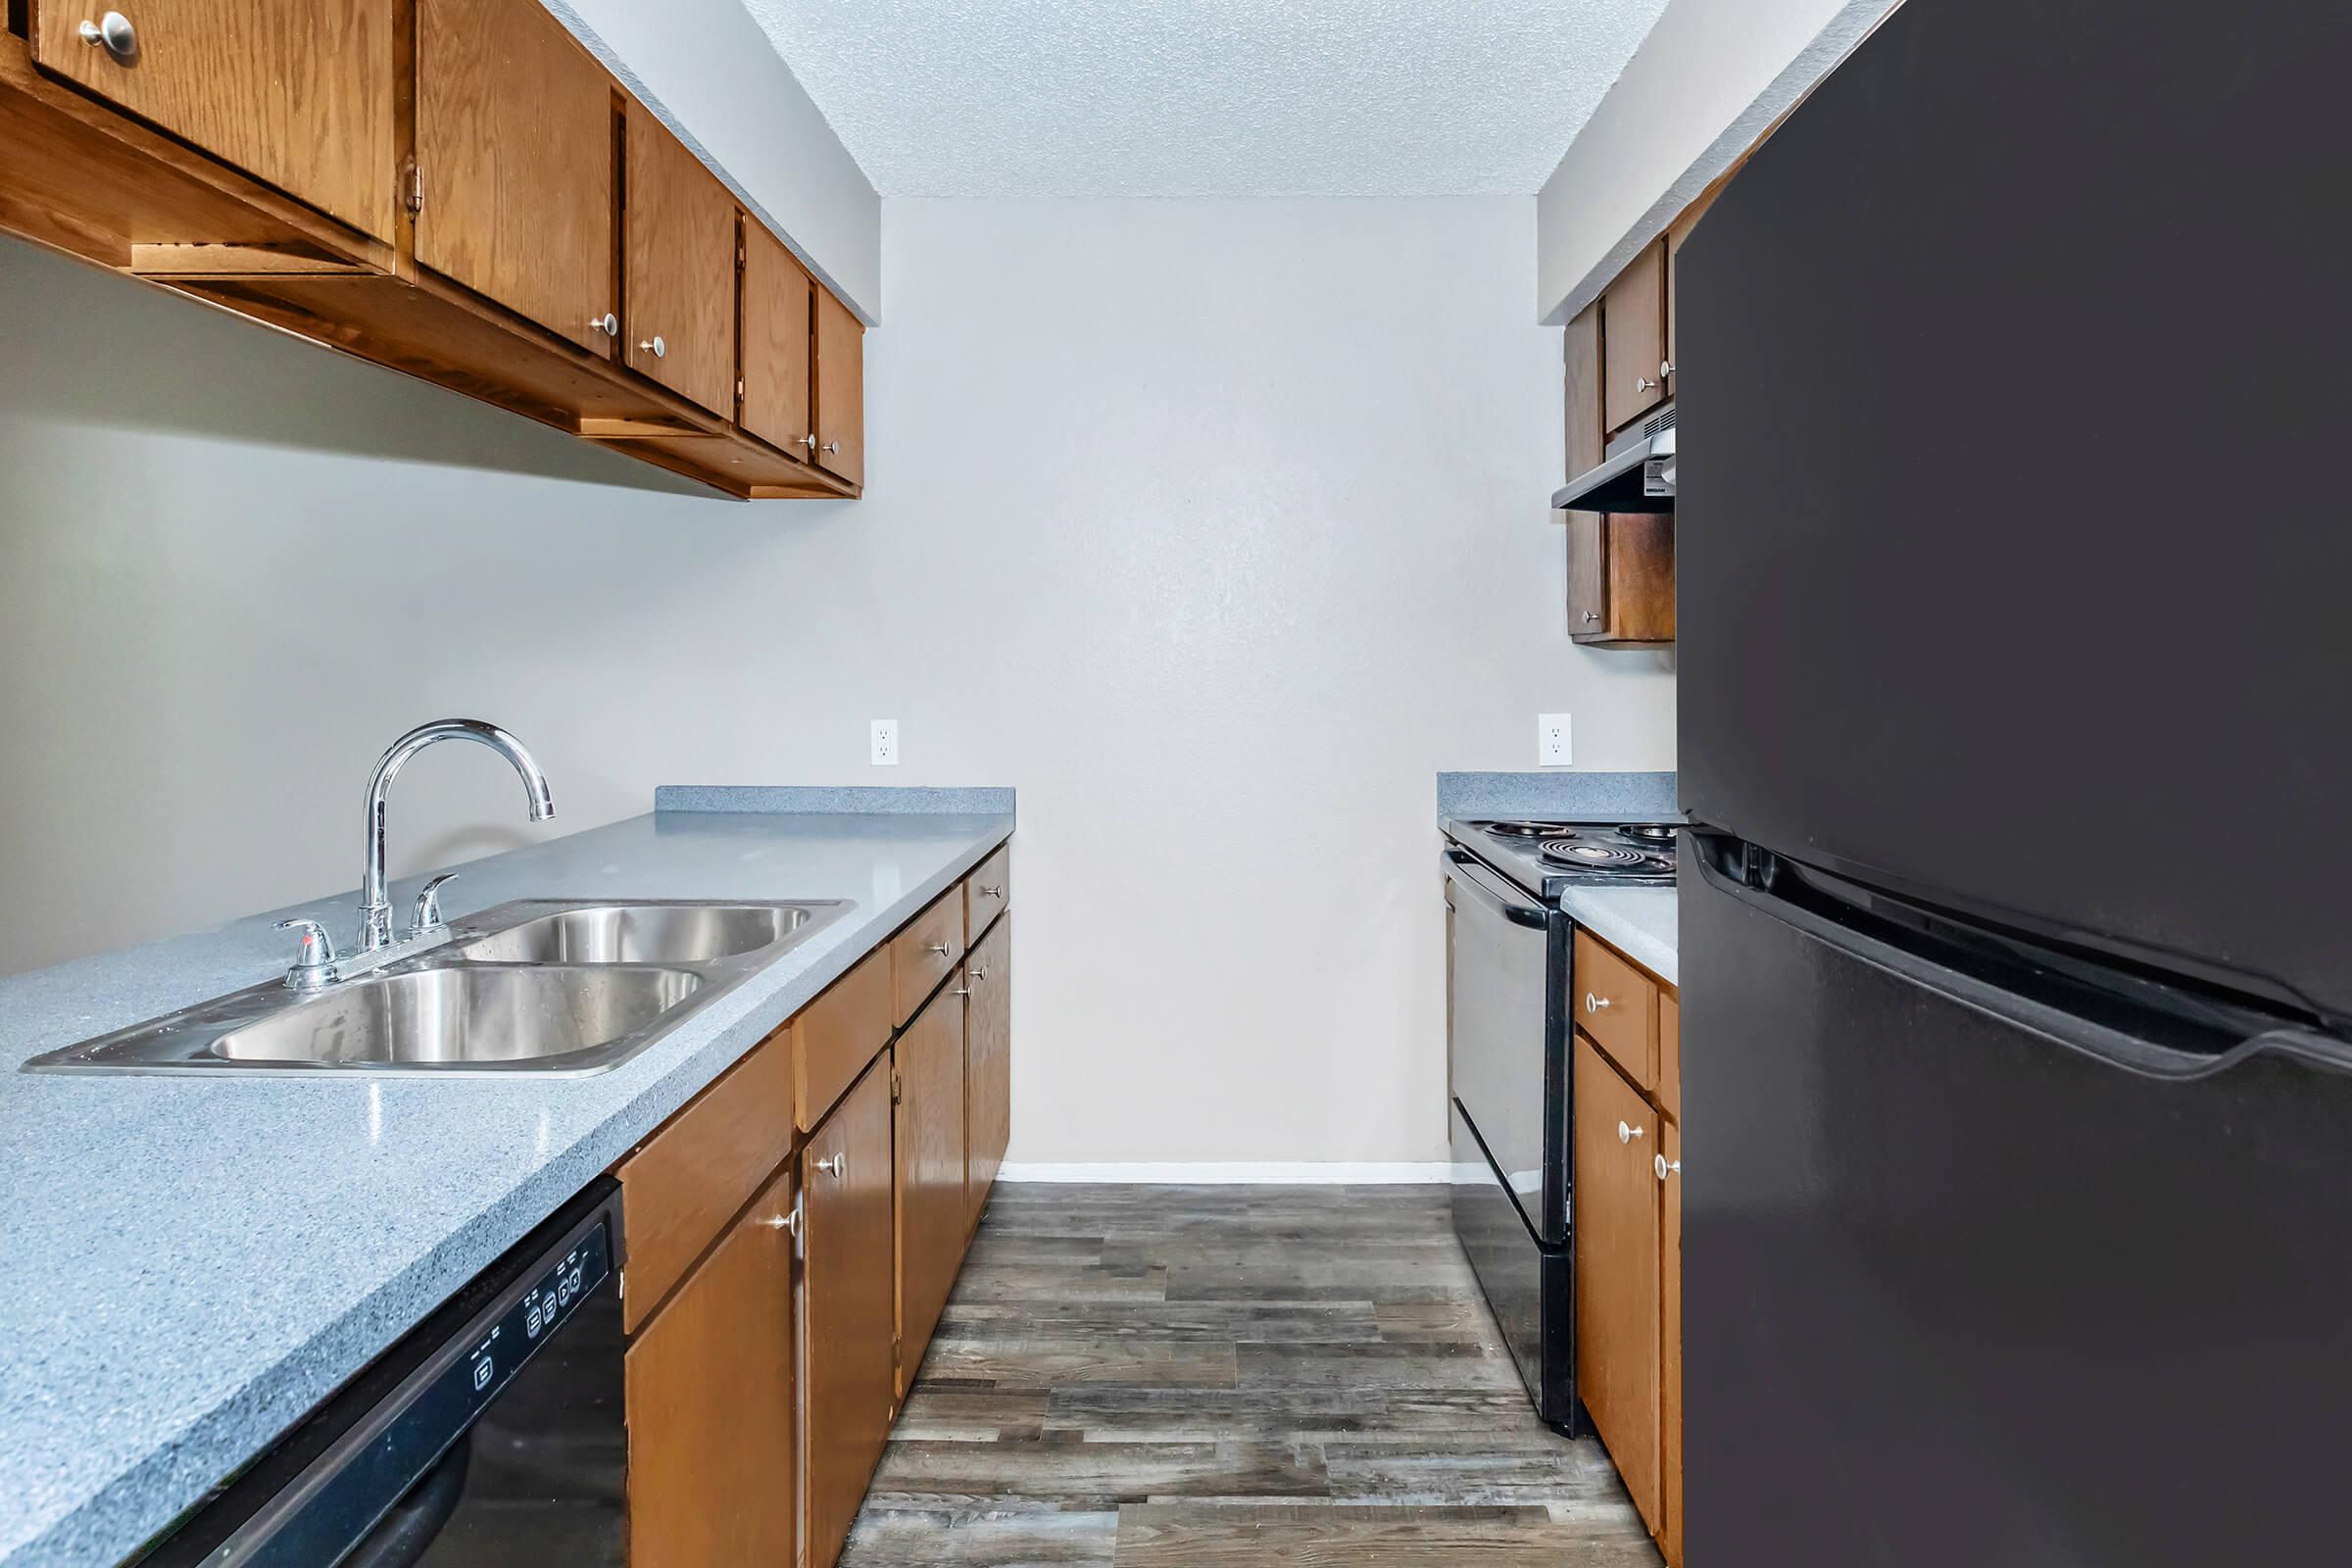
x=428, y=904
x=314, y=964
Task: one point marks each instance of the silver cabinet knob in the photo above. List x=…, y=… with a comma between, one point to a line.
x=837, y=1166
x=1665, y=369
x=1627, y=1133
x=832, y=446
x=1643, y=383
x=978, y=975
x=809, y=442
x=428, y=904
x=960, y=991
x=1591, y=614
x=790, y=1220
x=1665, y=1167
x=1593, y=1004
x=112, y=33
x=655, y=346
x=941, y=948
x=988, y=892
x=607, y=323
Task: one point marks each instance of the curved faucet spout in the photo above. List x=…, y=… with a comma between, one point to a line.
x=376, y=910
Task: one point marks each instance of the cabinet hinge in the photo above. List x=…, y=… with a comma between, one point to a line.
x=415, y=184
x=898, y=1088
x=739, y=258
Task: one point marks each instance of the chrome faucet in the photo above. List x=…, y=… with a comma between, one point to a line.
x=375, y=910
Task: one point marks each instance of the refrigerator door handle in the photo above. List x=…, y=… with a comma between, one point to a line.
x=2113, y=1048
x=1464, y=871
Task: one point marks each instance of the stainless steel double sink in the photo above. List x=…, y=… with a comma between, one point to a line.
x=536, y=986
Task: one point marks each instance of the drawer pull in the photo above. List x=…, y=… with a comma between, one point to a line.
x=838, y=1166
x=1593, y=1004
x=787, y=1221
x=1666, y=1167
x=941, y=948
x=112, y=33
x=988, y=892
x=1626, y=1133
x=655, y=346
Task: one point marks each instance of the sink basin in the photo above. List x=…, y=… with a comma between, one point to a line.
x=536, y=986
x=458, y=1014
x=640, y=933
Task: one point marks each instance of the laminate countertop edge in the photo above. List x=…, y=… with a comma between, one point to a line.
x=195, y=1261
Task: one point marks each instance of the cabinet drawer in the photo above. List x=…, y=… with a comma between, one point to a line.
x=921, y=955
x=835, y=1036
x=1617, y=1005
x=682, y=1185
x=1670, y=1054
x=986, y=892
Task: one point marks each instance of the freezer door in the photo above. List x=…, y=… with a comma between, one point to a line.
x=1969, y=1278
x=2011, y=569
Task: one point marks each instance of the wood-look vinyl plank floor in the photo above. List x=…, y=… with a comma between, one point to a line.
x=1229, y=1377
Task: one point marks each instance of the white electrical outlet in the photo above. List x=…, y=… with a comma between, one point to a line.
x=886, y=742
x=1551, y=740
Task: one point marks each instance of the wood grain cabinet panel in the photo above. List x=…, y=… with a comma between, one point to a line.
x=987, y=1064
x=840, y=389
x=923, y=952
x=932, y=1211
x=681, y=1186
x=1633, y=337
x=1670, y=1343
x=713, y=1406
x=1581, y=352
x=1620, y=579
x=848, y=1274
x=1670, y=1054
x=681, y=235
x=1617, y=1272
x=837, y=1035
x=515, y=149
x=777, y=298
x=298, y=93
x=1617, y=1005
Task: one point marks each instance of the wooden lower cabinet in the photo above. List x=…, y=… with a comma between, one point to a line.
x=932, y=1212
x=712, y=1411
x=1617, y=1279
x=987, y=1065
x=1669, y=1339
x=848, y=1275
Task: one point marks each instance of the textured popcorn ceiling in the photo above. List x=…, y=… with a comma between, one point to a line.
x=1207, y=97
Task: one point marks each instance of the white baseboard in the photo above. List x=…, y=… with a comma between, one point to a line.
x=1328, y=1173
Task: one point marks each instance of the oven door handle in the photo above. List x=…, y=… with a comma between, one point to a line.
x=1463, y=871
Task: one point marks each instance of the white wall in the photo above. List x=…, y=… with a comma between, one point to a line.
x=1711, y=76
x=707, y=68
x=1216, y=527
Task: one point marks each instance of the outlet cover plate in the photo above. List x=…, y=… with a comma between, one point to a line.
x=885, y=742
x=1551, y=740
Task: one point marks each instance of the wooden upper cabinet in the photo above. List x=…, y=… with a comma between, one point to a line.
x=840, y=389
x=713, y=1408
x=1620, y=578
x=776, y=303
x=679, y=323
x=1581, y=345
x=932, y=1213
x=848, y=1277
x=515, y=147
x=987, y=1065
x=1633, y=326
x=298, y=93
x=1617, y=1273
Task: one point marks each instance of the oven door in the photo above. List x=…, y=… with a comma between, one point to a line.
x=1502, y=1068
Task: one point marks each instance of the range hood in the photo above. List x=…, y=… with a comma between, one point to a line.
x=1636, y=475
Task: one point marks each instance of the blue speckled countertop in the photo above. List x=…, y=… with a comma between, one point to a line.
x=1639, y=922
x=191, y=1263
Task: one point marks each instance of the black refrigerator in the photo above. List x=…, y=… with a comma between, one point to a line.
x=2016, y=615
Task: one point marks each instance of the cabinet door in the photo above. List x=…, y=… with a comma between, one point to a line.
x=1616, y=1225
x=515, y=147
x=1668, y=1165
x=776, y=302
x=1620, y=578
x=1581, y=346
x=932, y=1211
x=846, y=1278
x=1633, y=339
x=297, y=93
x=987, y=1065
x=712, y=1410
x=1588, y=576
x=680, y=222
x=840, y=389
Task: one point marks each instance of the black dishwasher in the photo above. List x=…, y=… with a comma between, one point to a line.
x=491, y=1435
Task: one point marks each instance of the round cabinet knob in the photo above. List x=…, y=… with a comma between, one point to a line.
x=1627, y=1133
x=1665, y=1167
x=838, y=1165
x=1643, y=383
x=1591, y=614
x=607, y=323
x=1665, y=369
x=809, y=442
x=655, y=346
x=1593, y=1004
x=788, y=1221
x=112, y=33
x=832, y=446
